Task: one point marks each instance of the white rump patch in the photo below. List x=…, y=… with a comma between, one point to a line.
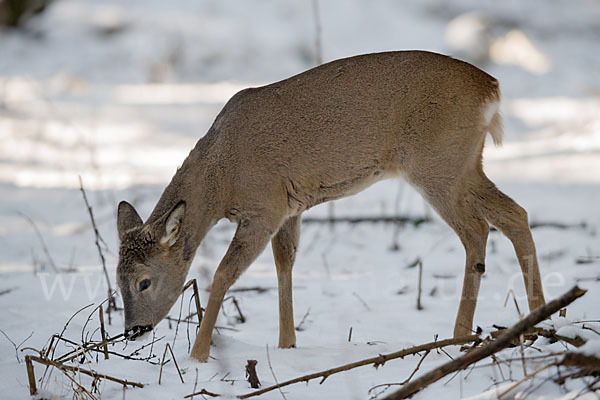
x=493, y=121
x=489, y=112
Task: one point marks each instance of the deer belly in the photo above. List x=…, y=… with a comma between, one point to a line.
x=353, y=185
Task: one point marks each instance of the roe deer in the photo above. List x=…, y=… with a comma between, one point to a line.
x=275, y=151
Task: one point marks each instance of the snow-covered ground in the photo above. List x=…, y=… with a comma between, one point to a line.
x=118, y=93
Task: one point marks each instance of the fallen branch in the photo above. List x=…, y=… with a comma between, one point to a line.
x=376, y=361
x=503, y=340
x=200, y=393
x=62, y=367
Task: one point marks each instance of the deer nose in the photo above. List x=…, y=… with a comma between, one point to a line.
x=137, y=331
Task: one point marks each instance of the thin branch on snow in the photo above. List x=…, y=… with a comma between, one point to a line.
x=65, y=368
x=377, y=361
x=505, y=339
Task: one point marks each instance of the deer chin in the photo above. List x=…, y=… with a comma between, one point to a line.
x=137, y=332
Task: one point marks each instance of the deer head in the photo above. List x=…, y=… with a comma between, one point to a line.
x=152, y=266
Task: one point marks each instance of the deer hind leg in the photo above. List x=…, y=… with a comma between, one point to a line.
x=250, y=239
x=473, y=232
x=456, y=206
x=511, y=219
x=285, y=244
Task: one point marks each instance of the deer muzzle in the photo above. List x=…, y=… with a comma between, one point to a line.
x=137, y=331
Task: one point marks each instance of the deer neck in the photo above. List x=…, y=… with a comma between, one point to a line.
x=194, y=183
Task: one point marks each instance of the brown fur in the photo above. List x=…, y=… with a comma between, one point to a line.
x=278, y=150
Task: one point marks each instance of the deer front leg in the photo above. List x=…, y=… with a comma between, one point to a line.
x=250, y=239
x=285, y=244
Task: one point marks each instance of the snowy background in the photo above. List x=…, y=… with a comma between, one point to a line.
x=119, y=92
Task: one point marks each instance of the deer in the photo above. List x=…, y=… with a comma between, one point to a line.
x=275, y=151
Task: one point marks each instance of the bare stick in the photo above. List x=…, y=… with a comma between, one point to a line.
x=299, y=327
x=200, y=393
x=175, y=362
x=195, y=382
x=194, y=285
x=416, y=369
x=419, y=290
x=251, y=375
x=523, y=363
x=103, y=332
x=111, y=301
x=168, y=346
x=504, y=340
x=364, y=303
x=30, y=376
x=273, y=373
x=350, y=335
x=93, y=374
x=404, y=382
x=237, y=306
x=377, y=361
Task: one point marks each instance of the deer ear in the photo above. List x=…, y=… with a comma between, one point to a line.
x=173, y=224
x=127, y=218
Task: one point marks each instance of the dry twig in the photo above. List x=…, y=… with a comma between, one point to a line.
x=194, y=284
x=503, y=340
x=64, y=368
x=200, y=393
x=300, y=327
x=162, y=363
x=251, y=375
x=404, y=382
x=273, y=373
x=419, y=287
x=377, y=361
x=103, y=332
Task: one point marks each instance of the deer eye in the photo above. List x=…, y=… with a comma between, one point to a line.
x=145, y=284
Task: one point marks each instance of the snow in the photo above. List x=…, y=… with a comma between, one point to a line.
x=119, y=92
